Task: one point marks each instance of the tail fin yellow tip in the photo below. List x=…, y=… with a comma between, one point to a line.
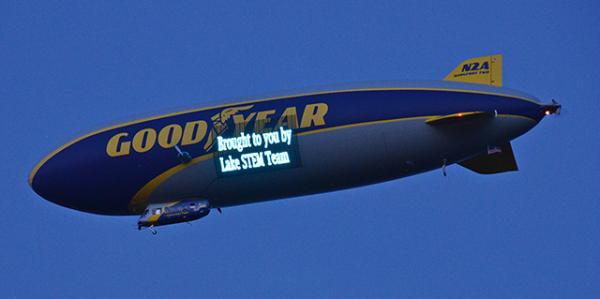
x=481, y=70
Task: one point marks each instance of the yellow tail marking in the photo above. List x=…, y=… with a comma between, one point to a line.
x=481, y=70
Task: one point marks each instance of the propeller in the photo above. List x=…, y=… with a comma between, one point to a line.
x=553, y=108
x=555, y=103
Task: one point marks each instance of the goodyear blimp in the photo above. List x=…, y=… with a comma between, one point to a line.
x=177, y=167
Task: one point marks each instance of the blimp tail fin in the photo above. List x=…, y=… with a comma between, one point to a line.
x=481, y=70
x=497, y=159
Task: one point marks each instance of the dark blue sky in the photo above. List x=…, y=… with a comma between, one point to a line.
x=68, y=68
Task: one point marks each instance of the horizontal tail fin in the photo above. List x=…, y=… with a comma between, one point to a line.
x=456, y=118
x=497, y=159
x=481, y=70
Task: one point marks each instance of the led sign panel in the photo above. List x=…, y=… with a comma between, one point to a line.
x=256, y=152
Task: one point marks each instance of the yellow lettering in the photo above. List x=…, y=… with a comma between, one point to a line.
x=240, y=122
x=169, y=136
x=314, y=114
x=289, y=119
x=115, y=148
x=199, y=127
x=262, y=118
x=144, y=140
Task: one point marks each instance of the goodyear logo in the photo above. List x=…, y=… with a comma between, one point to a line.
x=199, y=131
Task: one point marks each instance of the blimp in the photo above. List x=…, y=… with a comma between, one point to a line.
x=179, y=166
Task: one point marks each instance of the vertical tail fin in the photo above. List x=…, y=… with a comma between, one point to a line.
x=481, y=70
x=497, y=159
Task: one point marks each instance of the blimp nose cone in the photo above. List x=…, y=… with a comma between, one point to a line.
x=58, y=179
x=76, y=177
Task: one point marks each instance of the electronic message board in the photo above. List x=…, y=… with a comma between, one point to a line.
x=256, y=152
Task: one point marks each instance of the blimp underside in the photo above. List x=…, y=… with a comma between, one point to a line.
x=294, y=145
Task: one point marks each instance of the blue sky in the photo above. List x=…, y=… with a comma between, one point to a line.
x=68, y=68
